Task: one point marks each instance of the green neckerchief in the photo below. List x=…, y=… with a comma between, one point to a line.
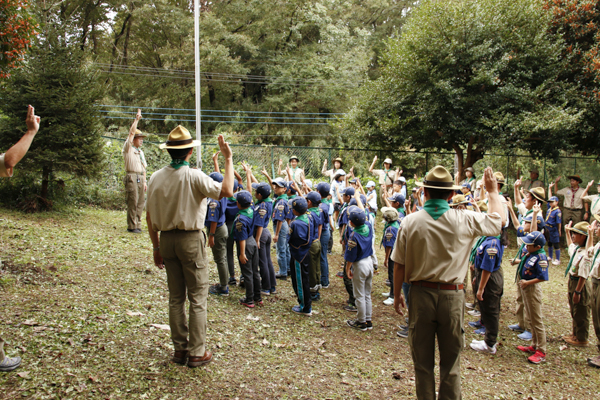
x=303, y=218
x=326, y=201
x=571, y=261
x=248, y=212
x=362, y=230
x=474, y=249
x=267, y=200
x=401, y=211
x=436, y=208
x=142, y=157
x=519, y=252
x=179, y=163
x=594, y=260
x=282, y=197
x=315, y=210
x=523, y=259
x=232, y=199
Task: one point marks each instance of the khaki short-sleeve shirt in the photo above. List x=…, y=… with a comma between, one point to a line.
x=572, y=198
x=177, y=198
x=528, y=184
x=3, y=172
x=594, y=273
x=581, y=263
x=385, y=178
x=438, y=251
x=133, y=160
x=594, y=199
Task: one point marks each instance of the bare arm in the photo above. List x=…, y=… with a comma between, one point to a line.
x=324, y=169
x=158, y=260
x=485, y=276
x=585, y=192
x=215, y=158
x=266, y=174
x=569, y=238
x=359, y=203
x=518, y=198
x=373, y=164
x=18, y=151
x=133, y=127
x=227, y=185
x=238, y=177
x=398, y=281
x=513, y=216
x=494, y=204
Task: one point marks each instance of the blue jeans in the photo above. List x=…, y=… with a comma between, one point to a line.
x=406, y=290
x=283, y=250
x=325, y=235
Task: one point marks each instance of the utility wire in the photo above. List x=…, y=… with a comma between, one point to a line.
x=208, y=110
x=225, y=116
x=224, y=122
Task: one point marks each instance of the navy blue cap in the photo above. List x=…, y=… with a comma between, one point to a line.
x=236, y=186
x=279, y=182
x=352, y=202
x=397, y=197
x=314, y=197
x=244, y=198
x=299, y=205
x=254, y=185
x=216, y=176
x=356, y=216
x=241, y=187
x=291, y=188
x=529, y=218
x=553, y=198
x=353, y=180
x=363, y=199
x=535, y=238
x=349, y=191
x=323, y=188
x=263, y=189
x=467, y=184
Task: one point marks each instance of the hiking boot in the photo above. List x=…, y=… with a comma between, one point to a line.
x=353, y=323
x=537, y=358
x=576, y=343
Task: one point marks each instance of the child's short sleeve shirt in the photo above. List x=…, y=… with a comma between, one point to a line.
x=242, y=227
x=581, y=263
x=231, y=209
x=489, y=254
x=359, y=246
x=535, y=267
x=280, y=210
x=262, y=212
x=215, y=212
x=389, y=234
x=300, y=237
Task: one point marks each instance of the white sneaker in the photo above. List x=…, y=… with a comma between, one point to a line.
x=386, y=294
x=474, y=313
x=483, y=347
x=389, y=301
x=556, y=262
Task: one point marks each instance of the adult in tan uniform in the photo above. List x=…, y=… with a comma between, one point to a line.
x=135, y=176
x=8, y=161
x=177, y=208
x=387, y=176
x=593, y=199
x=431, y=252
x=533, y=180
x=573, y=205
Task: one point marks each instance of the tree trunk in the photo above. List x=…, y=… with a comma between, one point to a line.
x=46, y=171
x=472, y=156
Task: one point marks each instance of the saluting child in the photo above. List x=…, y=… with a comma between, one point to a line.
x=593, y=255
x=243, y=228
x=579, y=290
x=231, y=210
x=262, y=212
x=217, y=238
x=532, y=271
x=300, y=241
x=281, y=227
x=390, y=231
x=314, y=200
x=553, y=229
x=323, y=188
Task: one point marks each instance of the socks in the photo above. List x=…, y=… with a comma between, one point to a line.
x=558, y=254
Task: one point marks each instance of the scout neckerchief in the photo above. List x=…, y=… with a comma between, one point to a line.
x=386, y=172
x=247, y=212
x=550, y=212
x=139, y=151
x=326, y=201
x=394, y=224
x=571, y=261
x=316, y=210
x=526, y=214
x=519, y=252
x=474, y=249
x=178, y=163
x=525, y=258
x=267, y=200
x=436, y=208
x=362, y=230
x=401, y=211
x=282, y=197
x=232, y=199
x=294, y=169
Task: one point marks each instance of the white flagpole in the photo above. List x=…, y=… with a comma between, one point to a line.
x=197, y=63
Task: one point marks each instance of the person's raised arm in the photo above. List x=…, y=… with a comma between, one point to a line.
x=513, y=216
x=266, y=174
x=568, y=234
x=359, y=202
x=215, y=159
x=591, y=230
x=248, y=170
x=360, y=187
x=238, y=177
x=494, y=204
x=324, y=169
x=536, y=209
x=518, y=198
x=384, y=197
x=279, y=167
x=585, y=192
x=227, y=185
x=407, y=207
x=373, y=164
x=18, y=151
x=133, y=127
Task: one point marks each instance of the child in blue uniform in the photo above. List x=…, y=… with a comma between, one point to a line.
x=281, y=227
x=390, y=216
x=231, y=210
x=359, y=265
x=553, y=229
x=262, y=212
x=397, y=202
x=314, y=200
x=217, y=238
x=533, y=270
x=247, y=250
x=343, y=225
x=323, y=188
x=300, y=241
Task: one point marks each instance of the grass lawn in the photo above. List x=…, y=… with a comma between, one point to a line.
x=79, y=294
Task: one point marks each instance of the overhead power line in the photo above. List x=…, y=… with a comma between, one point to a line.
x=227, y=111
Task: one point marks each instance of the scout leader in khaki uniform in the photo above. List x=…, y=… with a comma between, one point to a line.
x=135, y=176
x=533, y=180
x=177, y=208
x=386, y=175
x=431, y=252
x=593, y=199
x=8, y=161
x=573, y=204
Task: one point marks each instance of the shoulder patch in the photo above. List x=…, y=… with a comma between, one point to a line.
x=212, y=204
x=262, y=212
x=351, y=244
x=281, y=207
x=239, y=225
x=492, y=251
x=543, y=264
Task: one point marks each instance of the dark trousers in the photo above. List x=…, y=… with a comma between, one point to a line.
x=267, y=272
x=230, y=256
x=390, y=265
x=250, y=270
x=300, y=283
x=490, y=306
x=349, y=287
x=330, y=242
x=580, y=312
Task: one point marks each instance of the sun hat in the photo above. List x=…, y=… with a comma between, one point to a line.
x=438, y=178
x=387, y=161
x=294, y=158
x=538, y=192
x=138, y=134
x=580, y=227
x=179, y=138
x=576, y=177
x=390, y=213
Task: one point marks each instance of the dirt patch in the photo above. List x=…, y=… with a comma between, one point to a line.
x=29, y=274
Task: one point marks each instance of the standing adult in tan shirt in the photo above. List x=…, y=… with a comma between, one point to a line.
x=177, y=209
x=431, y=252
x=135, y=175
x=573, y=205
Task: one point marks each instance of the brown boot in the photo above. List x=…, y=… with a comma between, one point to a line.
x=180, y=357
x=194, y=362
x=575, y=342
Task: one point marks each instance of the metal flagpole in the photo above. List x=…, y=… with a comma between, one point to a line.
x=197, y=79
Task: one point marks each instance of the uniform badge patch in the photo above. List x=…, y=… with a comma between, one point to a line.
x=262, y=212
x=281, y=207
x=492, y=251
x=351, y=244
x=239, y=226
x=388, y=235
x=212, y=204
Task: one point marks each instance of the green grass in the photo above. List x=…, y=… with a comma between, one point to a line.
x=68, y=280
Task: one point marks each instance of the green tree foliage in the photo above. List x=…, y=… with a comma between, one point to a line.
x=469, y=75
x=16, y=31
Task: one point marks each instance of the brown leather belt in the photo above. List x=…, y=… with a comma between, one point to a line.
x=439, y=286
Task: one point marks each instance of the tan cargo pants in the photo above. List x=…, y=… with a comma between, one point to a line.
x=532, y=301
x=596, y=308
x=134, y=186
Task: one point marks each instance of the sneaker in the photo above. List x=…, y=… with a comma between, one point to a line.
x=353, y=323
x=298, y=310
x=389, y=301
x=247, y=303
x=537, y=358
x=403, y=327
x=474, y=313
x=575, y=342
x=283, y=277
x=527, y=349
x=325, y=286
x=370, y=325
x=315, y=296
x=526, y=335
x=315, y=288
x=594, y=362
x=470, y=305
x=219, y=290
x=556, y=262
x=340, y=274
x=483, y=347
x=516, y=328
x=480, y=331
x=476, y=324
x=273, y=290
x=386, y=294
x=388, y=283
x=259, y=302
x=9, y=364
x=232, y=281
x=265, y=292
x=241, y=284
x=350, y=307
x=403, y=333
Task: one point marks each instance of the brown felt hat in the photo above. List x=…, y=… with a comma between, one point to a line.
x=340, y=161
x=458, y=200
x=538, y=192
x=138, y=134
x=499, y=177
x=179, y=138
x=580, y=227
x=576, y=177
x=482, y=205
x=438, y=178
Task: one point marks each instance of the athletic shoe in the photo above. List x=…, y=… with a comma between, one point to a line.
x=246, y=302
x=389, y=301
x=402, y=333
x=388, y=283
x=232, y=281
x=281, y=276
x=480, y=331
x=273, y=290
x=474, y=313
x=386, y=294
x=9, y=364
x=219, y=290
x=476, y=324
x=594, y=362
x=324, y=286
x=526, y=335
x=315, y=288
x=353, y=323
x=516, y=328
x=483, y=347
x=298, y=310
x=527, y=349
x=265, y=292
x=369, y=325
x=470, y=305
x=403, y=327
x=556, y=262
x=537, y=358
x=350, y=307
x=315, y=296
x=575, y=342
x=259, y=302
x=340, y=274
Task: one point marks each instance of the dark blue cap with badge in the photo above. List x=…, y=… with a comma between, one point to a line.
x=299, y=205
x=244, y=198
x=323, y=188
x=263, y=189
x=290, y=186
x=279, y=182
x=216, y=176
x=553, y=198
x=314, y=197
x=349, y=191
x=535, y=238
x=356, y=215
x=363, y=199
x=397, y=197
x=254, y=185
x=467, y=185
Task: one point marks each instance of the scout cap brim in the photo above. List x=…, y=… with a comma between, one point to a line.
x=537, y=196
x=576, y=177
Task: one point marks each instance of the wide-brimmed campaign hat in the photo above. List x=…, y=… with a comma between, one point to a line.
x=339, y=160
x=580, y=227
x=538, y=192
x=576, y=177
x=179, y=138
x=294, y=158
x=483, y=207
x=138, y=134
x=458, y=200
x=499, y=177
x=438, y=178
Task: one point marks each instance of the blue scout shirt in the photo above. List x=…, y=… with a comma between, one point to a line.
x=290, y=214
x=243, y=224
x=360, y=243
x=316, y=218
x=280, y=209
x=262, y=213
x=553, y=219
x=324, y=207
x=389, y=234
x=231, y=209
x=300, y=237
x=215, y=212
x=535, y=266
x=489, y=254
